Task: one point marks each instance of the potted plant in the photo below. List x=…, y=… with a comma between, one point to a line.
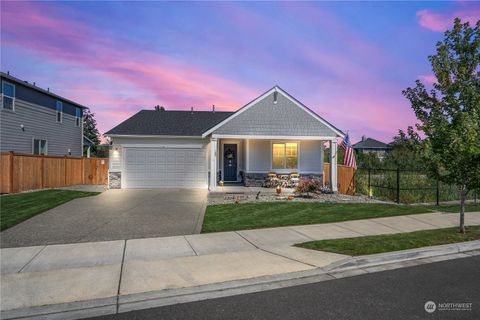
x=278, y=189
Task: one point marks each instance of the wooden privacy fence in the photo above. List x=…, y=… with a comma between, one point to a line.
x=22, y=172
x=345, y=178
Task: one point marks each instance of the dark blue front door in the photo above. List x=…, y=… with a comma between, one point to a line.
x=230, y=162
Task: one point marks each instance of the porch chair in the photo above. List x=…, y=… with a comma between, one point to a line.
x=294, y=179
x=271, y=181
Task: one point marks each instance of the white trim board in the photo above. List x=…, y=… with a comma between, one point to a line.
x=152, y=136
x=284, y=93
x=257, y=137
x=164, y=146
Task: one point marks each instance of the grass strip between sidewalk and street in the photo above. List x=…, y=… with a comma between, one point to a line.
x=19, y=207
x=393, y=242
x=231, y=217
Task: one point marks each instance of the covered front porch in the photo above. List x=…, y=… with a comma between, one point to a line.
x=251, y=161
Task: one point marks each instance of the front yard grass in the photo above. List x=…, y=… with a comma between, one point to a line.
x=229, y=217
x=393, y=242
x=16, y=208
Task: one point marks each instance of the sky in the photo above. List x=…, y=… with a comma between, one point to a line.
x=347, y=61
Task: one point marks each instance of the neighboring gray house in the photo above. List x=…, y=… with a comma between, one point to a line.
x=274, y=132
x=369, y=145
x=36, y=121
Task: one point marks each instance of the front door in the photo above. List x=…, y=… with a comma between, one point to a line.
x=230, y=162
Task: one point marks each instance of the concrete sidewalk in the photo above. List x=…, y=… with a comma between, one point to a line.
x=95, y=278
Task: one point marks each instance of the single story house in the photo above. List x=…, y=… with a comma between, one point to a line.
x=198, y=149
x=369, y=145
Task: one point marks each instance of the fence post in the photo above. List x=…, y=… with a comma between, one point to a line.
x=65, y=170
x=438, y=194
x=42, y=172
x=398, y=184
x=369, y=185
x=83, y=170
x=10, y=180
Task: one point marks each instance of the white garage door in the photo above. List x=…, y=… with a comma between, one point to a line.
x=164, y=167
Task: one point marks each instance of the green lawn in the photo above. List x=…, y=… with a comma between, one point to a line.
x=20, y=207
x=228, y=217
x=453, y=208
x=393, y=242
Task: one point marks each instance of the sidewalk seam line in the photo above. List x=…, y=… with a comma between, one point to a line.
x=351, y=229
x=386, y=225
x=292, y=228
x=303, y=234
x=29, y=261
x=289, y=258
x=415, y=218
x=190, y=246
x=121, y=274
x=253, y=244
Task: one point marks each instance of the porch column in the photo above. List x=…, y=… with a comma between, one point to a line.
x=247, y=155
x=333, y=165
x=213, y=163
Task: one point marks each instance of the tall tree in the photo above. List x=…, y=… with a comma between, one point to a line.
x=406, y=151
x=90, y=129
x=449, y=114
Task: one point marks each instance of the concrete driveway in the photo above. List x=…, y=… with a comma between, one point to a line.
x=113, y=215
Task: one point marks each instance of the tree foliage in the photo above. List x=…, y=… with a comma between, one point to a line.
x=449, y=113
x=90, y=129
x=406, y=151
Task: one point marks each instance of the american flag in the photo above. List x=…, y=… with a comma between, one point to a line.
x=349, y=157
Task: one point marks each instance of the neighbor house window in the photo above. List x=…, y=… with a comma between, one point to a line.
x=39, y=146
x=59, y=111
x=78, y=116
x=285, y=155
x=8, y=93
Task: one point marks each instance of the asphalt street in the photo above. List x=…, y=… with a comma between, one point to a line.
x=396, y=294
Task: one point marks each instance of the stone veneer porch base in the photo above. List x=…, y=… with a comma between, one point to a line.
x=115, y=180
x=258, y=179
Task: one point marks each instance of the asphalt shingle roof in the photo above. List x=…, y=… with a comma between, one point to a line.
x=370, y=143
x=169, y=123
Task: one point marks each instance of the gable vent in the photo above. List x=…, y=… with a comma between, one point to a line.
x=275, y=96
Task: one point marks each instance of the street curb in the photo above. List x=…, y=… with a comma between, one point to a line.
x=345, y=268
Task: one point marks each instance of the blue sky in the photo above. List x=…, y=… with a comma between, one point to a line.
x=348, y=61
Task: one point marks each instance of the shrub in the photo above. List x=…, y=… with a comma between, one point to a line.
x=308, y=185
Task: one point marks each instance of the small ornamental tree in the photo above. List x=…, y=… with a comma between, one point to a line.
x=90, y=129
x=449, y=114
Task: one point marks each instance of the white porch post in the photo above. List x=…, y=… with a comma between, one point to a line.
x=247, y=155
x=333, y=165
x=213, y=163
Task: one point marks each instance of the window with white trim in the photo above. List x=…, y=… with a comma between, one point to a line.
x=8, y=95
x=285, y=155
x=59, y=111
x=40, y=146
x=78, y=117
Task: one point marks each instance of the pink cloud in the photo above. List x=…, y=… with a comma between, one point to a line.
x=440, y=22
x=429, y=78
x=158, y=78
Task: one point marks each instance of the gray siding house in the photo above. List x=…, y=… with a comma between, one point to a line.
x=369, y=145
x=36, y=121
x=274, y=133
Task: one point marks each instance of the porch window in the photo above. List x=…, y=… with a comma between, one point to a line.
x=285, y=155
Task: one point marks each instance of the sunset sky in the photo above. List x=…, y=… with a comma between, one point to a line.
x=347, y=61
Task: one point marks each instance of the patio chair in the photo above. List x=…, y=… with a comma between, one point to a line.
x=294, y=179
x=271, y=181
